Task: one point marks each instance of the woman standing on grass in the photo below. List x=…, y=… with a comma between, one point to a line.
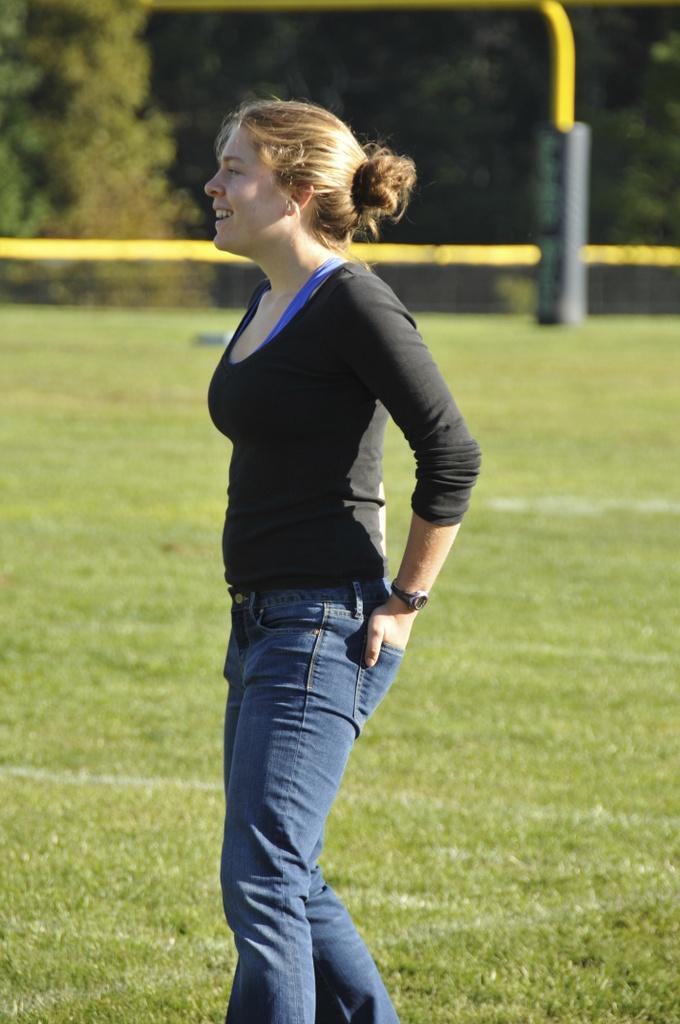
x=324, y=353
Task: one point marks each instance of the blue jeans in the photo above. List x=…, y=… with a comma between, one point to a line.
x=299, y=694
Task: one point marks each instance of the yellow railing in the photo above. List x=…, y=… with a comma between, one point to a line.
x=62, y=249
x=367, y=5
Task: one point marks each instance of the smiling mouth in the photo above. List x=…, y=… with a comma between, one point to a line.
x=223, y=214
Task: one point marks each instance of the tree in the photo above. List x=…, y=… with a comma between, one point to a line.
x=21, y=206
x=650, y=189
x=461, y=92
x=440, y=86
x=628, y=83
x=104, y=152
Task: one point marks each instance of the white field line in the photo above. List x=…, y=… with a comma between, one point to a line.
x=510, y=921
x=574, y=505
x=31, y=1005
x=597, y=815
x=31, y=929
x=595, y=653
x=568, y=863
x=85, y=778
x=139, y=980
x=467, y=920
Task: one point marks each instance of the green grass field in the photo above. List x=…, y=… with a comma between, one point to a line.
x=507, y=834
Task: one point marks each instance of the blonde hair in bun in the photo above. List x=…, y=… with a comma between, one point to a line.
x=382, y=187
x=355, y=186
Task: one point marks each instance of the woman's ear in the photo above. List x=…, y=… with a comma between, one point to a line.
x=302, y=196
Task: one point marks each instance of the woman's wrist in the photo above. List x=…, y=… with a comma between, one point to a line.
x=396, y=606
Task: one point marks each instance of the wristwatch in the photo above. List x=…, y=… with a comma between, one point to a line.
x=417, y=599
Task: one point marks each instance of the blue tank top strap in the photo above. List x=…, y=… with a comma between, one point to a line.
x=319, y=275
x=296, y=304
x=250, y=312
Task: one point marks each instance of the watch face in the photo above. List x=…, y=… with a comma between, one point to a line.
x=420, y=602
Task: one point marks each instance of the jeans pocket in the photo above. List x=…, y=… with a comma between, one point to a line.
x=393, y=647
x=284, y=644
x=292, y=617
x=374, y=682
x=231, y=671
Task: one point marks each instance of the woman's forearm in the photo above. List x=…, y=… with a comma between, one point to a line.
x=426, y=551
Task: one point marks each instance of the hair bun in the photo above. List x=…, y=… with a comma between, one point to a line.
x=361, y=185
x=382, y=184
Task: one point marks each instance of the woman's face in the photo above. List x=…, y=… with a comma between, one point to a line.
x=245, y=189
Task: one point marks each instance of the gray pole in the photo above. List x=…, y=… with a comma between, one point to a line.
x=563, y=173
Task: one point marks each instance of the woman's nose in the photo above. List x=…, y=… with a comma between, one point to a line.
x=213, y=187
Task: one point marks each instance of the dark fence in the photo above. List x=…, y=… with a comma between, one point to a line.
x=451, y=288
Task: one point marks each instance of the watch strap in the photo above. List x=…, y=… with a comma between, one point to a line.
x=414, y=599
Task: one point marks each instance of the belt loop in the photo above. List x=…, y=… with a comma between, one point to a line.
x=251, y=601
x=358, y=600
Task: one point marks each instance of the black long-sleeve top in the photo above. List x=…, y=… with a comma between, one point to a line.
x=306, y=415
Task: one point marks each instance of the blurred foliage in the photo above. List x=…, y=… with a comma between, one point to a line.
x=462, y=92
x=108, y=116
x=628, y=90
x=519, y=293
x=108, y=283
x=650, y=188
x=104, y=150
x=21, y=205
x=432, y=84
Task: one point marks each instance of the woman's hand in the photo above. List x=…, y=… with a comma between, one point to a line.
x=391, y=621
